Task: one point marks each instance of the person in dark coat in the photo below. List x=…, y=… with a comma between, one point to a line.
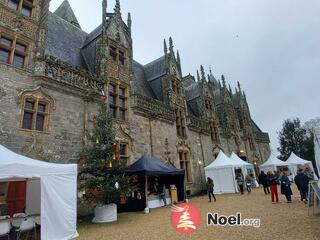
x=286, y=187
x=264, y=182
x=272, y=180
x=302, y=181
x=210, y=186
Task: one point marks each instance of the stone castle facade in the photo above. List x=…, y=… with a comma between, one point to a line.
x=53, y=75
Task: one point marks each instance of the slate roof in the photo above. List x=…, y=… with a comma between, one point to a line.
x=141, y=85
x=155, y=69
x=67, y=42
x=64, y=41
x=192, y=91
x=65, y=12
x=93, y=35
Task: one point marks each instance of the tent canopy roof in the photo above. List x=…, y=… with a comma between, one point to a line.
x=152, y=166
x=15, y=165
x=294, y=159
x=234, y=157
x=221, y=161
x=273, y=161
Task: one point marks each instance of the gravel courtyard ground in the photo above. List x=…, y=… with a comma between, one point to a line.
x=278, y=221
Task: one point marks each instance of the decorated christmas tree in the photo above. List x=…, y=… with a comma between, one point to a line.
x=101, y=179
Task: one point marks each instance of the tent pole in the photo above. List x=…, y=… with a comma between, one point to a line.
x=146, y=191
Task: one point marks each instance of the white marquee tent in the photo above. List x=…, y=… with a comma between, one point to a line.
x=221, y=170
x=51, y=192
x=272, y=164
x=243, y=164
x=296, y=161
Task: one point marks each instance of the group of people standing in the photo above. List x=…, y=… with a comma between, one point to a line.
x=271, y=180
x=248, y=182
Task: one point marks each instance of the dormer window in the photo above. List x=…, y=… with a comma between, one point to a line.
x=113, y=53
x=22, y=6
x=121, y=57
x=117, y=55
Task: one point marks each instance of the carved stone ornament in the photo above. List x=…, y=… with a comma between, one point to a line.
x=37, y=93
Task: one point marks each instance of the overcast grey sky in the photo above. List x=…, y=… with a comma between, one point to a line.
x=270, y=46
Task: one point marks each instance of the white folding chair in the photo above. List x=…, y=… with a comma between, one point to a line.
x=5, y=226
x=26, y=226
x=19, y=218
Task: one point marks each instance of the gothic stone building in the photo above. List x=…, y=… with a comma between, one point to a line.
x=52, y=75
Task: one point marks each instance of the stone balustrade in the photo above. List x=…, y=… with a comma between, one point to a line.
x=67, y=74
x=152, y=108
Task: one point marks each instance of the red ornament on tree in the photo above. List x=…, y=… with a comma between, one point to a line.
x=95, y=192
x=103, y=98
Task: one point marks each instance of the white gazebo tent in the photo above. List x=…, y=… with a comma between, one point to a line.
x=272, y=164
x=51, y=192
x=244, y=165
x=221, y=170
x=296, y=161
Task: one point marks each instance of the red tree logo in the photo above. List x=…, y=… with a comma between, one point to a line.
x=185, y=218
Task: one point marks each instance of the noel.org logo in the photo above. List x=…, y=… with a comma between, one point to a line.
x=185, y=218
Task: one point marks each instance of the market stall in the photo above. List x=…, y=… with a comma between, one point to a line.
x=273, y=164
x=150, y=174
x=297, y=162
x=222, y=171
x=248, y=168
x=51, y=192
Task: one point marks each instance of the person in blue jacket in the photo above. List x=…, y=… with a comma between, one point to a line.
x=286, y=187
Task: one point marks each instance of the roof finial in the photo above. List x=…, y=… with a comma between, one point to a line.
x=223, y=81
x=239, y=87
x=198, y=76
x=104, y=11
x=179, y=61
x=203, y=74
x=171, y=45
x=117, y=8
x=129, y=22
x=165, y=48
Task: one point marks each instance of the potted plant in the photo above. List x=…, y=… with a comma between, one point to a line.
x=102, y=182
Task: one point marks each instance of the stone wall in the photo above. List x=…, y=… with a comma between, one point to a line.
x=264, y=149
x=67, y=121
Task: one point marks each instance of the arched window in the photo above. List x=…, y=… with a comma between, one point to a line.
x=36, y=107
